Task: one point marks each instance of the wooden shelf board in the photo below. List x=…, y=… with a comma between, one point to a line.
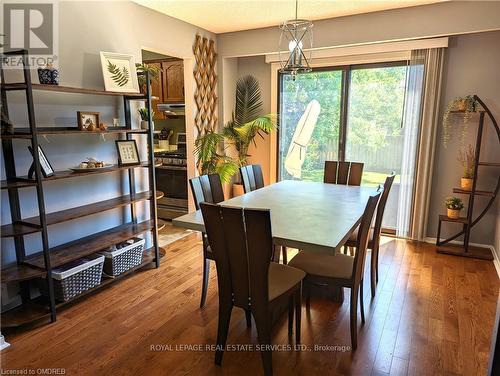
x=14, y=229
x=445, y=218
x=29, y=313
x=67, y=174
x=17, y=273
x=17, y=183
x=82, y=247
x=94, y=208
x=14, y=86
x=37, y=310
x=473, y=252
x=147, y=258
x=81, y=90
x=477, y=193
x=26, y=136
x=491, y=164
x=25, y=132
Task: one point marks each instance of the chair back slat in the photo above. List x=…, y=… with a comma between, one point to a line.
x=362, y=240
x=260, y=246
x=330, y=175
x=381, y=208
x=258, y=176
x=216, y=188
x=251, y=177
x=212, y=218
x=236, y=248
x=197, y=191
x=245, y=179
x=206, y=188
x=345, y=173
x=355, y=173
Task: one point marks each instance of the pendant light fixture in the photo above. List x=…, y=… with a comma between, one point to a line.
x=296, y=36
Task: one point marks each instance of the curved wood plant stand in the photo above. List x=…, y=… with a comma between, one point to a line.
x=468, y=222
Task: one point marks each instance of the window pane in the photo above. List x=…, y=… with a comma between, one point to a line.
x=324, y=87
x=374, y=133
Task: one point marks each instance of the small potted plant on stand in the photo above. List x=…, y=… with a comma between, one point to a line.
x=144, y=117
x=453, y=205
x=468, y=105
x=467, y=159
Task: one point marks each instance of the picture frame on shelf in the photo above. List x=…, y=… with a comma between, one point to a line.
x=119, y=72
x=46, y=167
x=128, y=154
x=87, y=121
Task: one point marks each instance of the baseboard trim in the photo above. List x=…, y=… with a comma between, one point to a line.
x=496, y=260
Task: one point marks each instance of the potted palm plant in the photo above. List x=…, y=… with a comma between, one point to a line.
x=237, y=135
x=453, y=205
x=467, y=159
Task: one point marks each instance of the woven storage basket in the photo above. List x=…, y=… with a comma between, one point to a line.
x=125, y=258
x=69, y=283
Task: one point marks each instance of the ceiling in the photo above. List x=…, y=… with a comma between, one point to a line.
x=222, y=16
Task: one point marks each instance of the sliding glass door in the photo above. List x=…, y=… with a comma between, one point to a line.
x=352, y=113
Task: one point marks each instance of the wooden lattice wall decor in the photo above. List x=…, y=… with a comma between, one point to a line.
x=205, y=76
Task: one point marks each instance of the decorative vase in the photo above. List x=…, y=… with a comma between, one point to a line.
x=453, y=213
x=238, y=190
x=48, y=76
x=144, y=124
x=466, y=184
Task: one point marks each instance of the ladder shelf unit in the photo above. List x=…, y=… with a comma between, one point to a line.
x=446, y=246
x=38, y=266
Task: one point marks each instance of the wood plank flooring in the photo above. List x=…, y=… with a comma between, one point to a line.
x=433, y=315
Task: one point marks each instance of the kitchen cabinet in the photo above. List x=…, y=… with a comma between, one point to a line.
x=169, y=88
x=173, y=81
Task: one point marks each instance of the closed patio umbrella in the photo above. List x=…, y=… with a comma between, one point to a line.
x=297, y=149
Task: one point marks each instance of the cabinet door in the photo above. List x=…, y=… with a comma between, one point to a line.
x=173, y=81
x=157, y=92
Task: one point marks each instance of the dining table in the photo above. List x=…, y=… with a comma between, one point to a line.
x=310, y=216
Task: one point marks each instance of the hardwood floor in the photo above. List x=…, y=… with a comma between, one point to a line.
x=433, y=314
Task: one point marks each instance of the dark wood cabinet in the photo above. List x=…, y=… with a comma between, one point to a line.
x=169, y=88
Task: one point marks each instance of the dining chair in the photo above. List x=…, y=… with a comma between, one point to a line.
x=242, y=246
x=340, y=270
x=206, y=188
x=374, y=235
x=252, y=178
x=342, y=172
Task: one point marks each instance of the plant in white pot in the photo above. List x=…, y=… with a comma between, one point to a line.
x=145, y=116
x=453, y=205
x=237, y=135
x=467, y=159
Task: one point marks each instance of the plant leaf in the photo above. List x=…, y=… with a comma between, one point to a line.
x=119, y=76
x=248, y=100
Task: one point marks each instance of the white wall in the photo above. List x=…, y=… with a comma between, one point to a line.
x=442, y=19
x=471, y=67
x=85, y=28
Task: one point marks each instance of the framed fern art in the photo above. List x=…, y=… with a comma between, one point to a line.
x=119, y=72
